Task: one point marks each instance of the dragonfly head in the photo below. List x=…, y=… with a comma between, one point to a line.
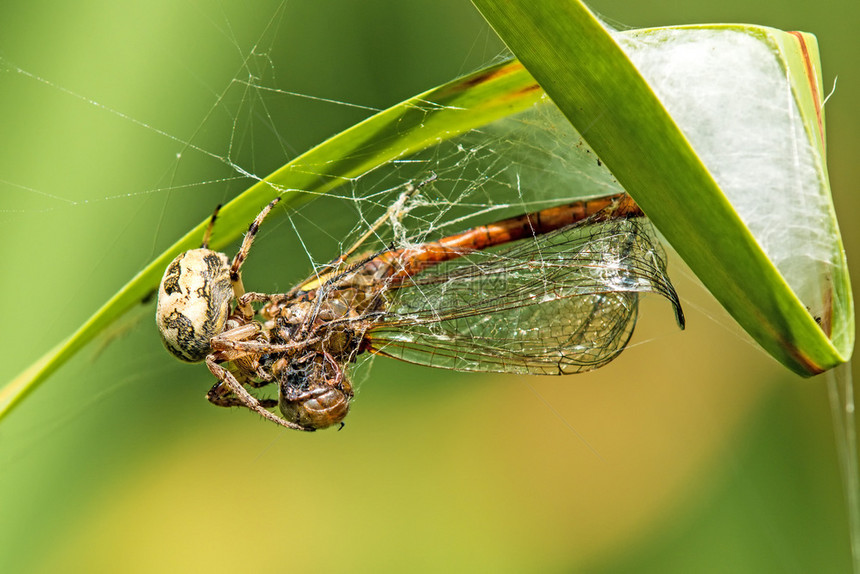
x=314, y=392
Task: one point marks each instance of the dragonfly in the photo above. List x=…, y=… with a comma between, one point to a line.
x=551, y=292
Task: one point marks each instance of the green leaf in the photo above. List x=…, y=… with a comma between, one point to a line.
x=413, y=125
x=595, y=84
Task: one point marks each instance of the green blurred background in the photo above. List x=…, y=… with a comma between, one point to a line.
x=693, y=452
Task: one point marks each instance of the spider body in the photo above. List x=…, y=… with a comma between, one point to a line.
x=194, y=301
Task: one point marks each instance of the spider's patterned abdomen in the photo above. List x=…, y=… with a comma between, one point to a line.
x=193, y=303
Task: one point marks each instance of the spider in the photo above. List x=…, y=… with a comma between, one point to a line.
x=197, y=322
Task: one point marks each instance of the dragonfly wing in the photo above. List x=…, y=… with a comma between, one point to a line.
x=558, y=303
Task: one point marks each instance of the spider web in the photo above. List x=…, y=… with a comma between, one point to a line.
x=250, y=122
x=248, y=126
x=100, y=183
x=244, y=130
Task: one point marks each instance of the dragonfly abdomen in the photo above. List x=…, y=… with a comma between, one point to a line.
x=403, y=263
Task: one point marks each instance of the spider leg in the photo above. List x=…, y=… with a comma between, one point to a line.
x=221, y=395
x=235, y=276
x=245, y=398
x=241, y=341
x=251, y=373
x=223, y=342
x=254, y=297
x=338, y=371
x=208, y=233
x=246, y=347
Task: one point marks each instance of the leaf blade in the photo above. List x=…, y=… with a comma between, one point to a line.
x=587, y=74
